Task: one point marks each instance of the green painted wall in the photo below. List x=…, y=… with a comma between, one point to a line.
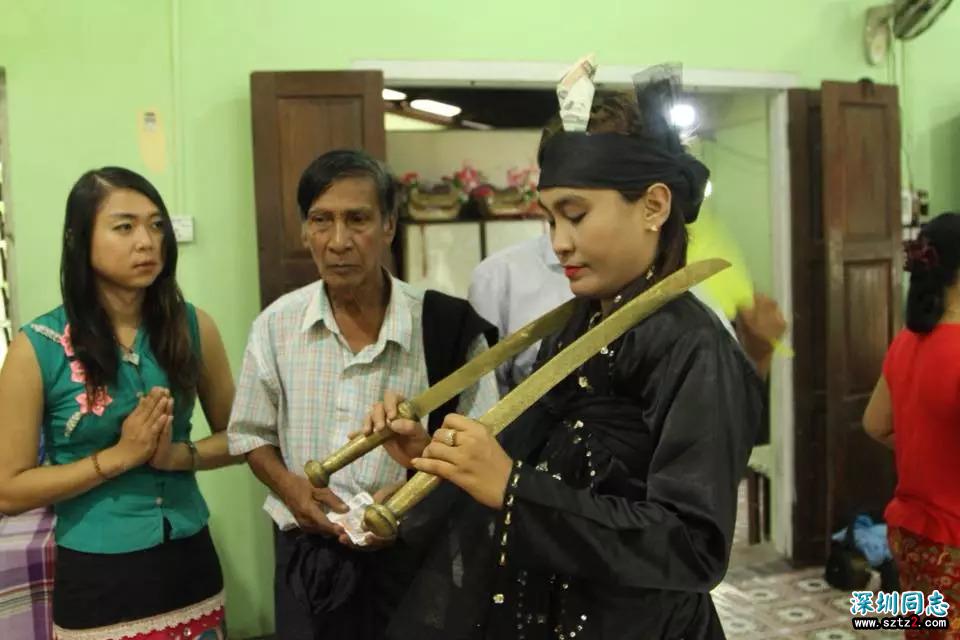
x=78, y=72
x=930, y=101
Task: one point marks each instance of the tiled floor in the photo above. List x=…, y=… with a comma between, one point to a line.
x=773, y=601
x=763, y=597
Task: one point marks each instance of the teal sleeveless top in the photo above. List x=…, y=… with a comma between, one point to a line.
x=126, y=513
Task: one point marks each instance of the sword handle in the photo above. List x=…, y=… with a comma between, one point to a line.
x=383, y=520
x=319, y=472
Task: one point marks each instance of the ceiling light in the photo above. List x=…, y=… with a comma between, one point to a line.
x=436, y=108
x=394, y=95
x=683, y=115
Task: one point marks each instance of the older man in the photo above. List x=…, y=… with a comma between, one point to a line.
x=317, y=359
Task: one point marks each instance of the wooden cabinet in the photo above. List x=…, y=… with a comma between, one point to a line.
x=442, y=255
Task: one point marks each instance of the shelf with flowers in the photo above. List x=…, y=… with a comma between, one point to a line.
x=517, y=199
x=437, y=201
x=468, y=194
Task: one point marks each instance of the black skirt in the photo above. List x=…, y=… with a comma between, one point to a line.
x=93, y=590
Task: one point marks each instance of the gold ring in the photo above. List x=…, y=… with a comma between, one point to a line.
x=449, y=437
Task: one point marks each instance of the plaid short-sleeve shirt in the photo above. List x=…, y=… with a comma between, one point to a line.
x=303, y=390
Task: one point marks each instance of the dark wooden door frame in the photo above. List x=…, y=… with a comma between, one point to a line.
x=809, y=526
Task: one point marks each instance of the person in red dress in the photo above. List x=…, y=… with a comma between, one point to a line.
x=915, y=410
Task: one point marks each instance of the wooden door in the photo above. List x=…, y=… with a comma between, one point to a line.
x=810, y=528
x=298, y=115
x=861, y=211
x=845, y=182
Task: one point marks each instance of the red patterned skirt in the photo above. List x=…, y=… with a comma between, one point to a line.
x=201, y=621
x=926, y=565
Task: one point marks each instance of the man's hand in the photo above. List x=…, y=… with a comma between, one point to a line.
x=308, y=505
x=758, y=329
x=409, y=438
x=373, y=542
x=764, y=320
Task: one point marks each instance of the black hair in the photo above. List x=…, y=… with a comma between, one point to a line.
x=346, y=163
x=933, y=260
x=618, y=112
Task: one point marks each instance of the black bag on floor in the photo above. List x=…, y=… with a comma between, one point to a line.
x=848, y=569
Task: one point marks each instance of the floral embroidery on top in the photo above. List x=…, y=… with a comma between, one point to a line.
x=100, y=402
x=65, y=342
x=79, y=375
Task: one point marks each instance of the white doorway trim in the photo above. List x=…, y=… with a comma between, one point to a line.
x=459, y=73
x=782, y=410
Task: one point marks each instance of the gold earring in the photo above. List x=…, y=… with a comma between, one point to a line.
x=653, y=228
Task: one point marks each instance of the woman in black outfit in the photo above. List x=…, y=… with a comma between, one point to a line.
x=607, y=510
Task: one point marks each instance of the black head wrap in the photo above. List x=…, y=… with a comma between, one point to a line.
x=631, y=162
